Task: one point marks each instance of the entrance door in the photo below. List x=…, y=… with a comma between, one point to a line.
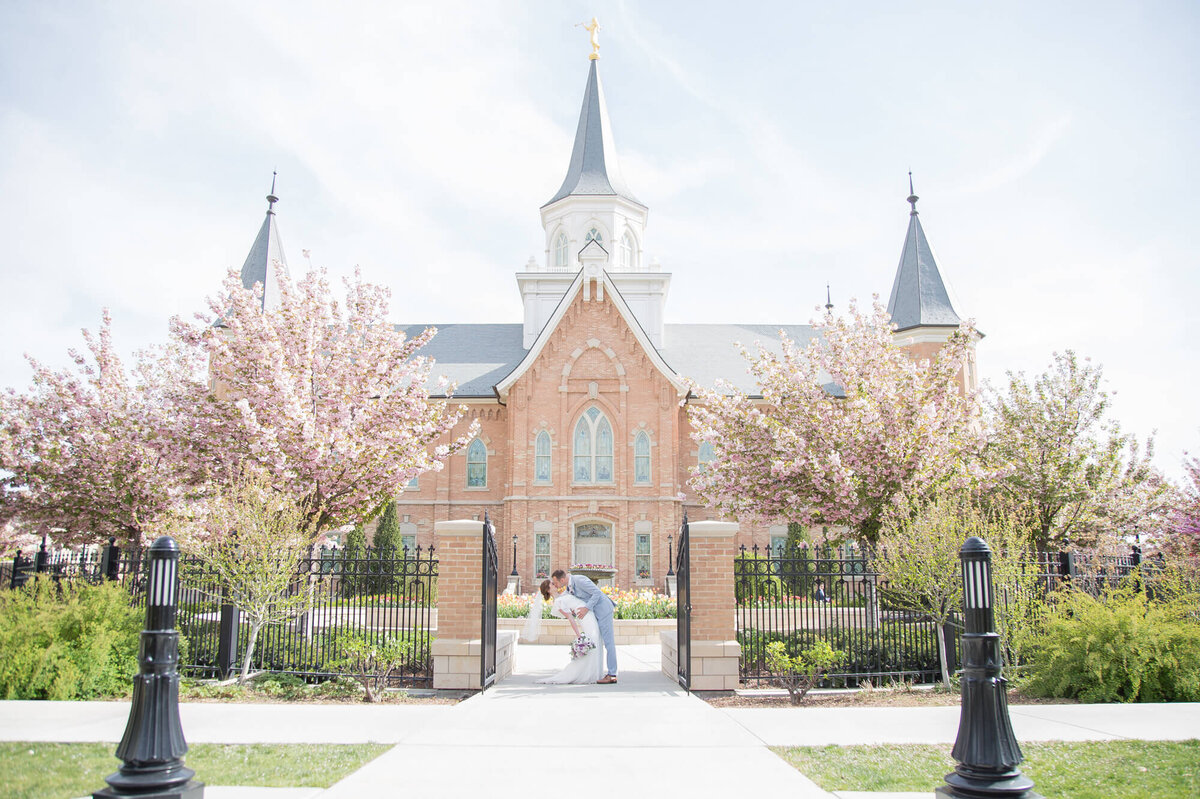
x=594, y=544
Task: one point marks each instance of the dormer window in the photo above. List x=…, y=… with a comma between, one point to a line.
x=560, y=253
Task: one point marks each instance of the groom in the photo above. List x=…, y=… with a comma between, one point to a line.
x=597, y=602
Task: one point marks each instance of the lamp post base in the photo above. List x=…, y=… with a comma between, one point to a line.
x=189, y=790
x=1012, y=787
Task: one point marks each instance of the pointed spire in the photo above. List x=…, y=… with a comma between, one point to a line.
x=266, y=255
x=594, y=168
x=919, y=296
x=828, y=300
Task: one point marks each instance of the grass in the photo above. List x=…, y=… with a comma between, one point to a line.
x=1064, y=770
x=63, y=771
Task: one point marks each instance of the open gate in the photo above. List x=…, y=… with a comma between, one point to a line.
x=684, y=607
x=487, y=623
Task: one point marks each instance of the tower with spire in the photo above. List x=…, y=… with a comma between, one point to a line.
x=920, y=304
x=594, y=223
x=266, y=256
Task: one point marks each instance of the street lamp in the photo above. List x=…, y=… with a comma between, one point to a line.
x=670, y=559
x=514, y=571
x=152, y=748
x=986, y=749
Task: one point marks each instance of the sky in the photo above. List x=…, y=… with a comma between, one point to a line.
x=1054, y=147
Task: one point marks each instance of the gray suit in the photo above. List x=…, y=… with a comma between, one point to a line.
x=599, y=603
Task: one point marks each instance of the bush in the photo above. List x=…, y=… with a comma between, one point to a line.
x=1119, y=648
x=67, y=640
x=371, y=662
x=753, y=579
x=801, y=672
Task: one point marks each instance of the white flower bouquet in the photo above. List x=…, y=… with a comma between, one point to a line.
x=582, y=646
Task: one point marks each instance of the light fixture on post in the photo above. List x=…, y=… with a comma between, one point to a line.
x=514, y=571
x=670, y=559
x=153, y=747
x=986, y=749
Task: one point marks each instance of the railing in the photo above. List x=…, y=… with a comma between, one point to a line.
x=836, y=597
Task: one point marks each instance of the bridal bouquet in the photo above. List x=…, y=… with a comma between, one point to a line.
x=582, y=646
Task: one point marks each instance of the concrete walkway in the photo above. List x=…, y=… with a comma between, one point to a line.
x=639, y=737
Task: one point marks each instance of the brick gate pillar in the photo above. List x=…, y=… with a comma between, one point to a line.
x=458, y=647
x=716, y=654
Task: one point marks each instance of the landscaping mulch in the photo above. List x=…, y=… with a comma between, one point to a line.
x=879, y=697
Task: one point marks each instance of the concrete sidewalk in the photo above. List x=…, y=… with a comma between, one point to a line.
x=640, y=736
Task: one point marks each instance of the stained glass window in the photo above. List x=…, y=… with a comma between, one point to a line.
x=477, y=465
x=641, y=459
x=541, y=458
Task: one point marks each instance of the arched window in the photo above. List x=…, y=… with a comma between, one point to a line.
x=593, y=448
x=477, y=465
x=541, y=458
x=627, y=253
x=560, y=253
x=641, y=459
x=705, y=455
x=594, y=235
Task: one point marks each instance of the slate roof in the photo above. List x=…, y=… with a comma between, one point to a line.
x=478, y=356
x=594, y=167
x=919, y=295
x=264, y=253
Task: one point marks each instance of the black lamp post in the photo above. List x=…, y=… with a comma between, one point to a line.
x=514, y=571
x=152, y=748
x=986, y=749
x=670, y=559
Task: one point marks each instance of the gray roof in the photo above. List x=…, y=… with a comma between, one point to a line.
x=594, y=166
x=475, y=357
x=265, y=252
x=919, y=295
x=478, y=356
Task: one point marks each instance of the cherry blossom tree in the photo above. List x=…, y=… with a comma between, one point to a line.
x=96, y=451
x=1185, y=519
x=1056, y=456
x=327, y=398
x=845, y=429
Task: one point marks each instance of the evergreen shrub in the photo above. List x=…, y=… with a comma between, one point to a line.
x=67, y=640
x=1121, y=647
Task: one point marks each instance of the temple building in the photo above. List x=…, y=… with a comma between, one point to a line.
x=584, y=450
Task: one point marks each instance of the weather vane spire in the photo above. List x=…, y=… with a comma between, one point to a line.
x=271, y=198
x=593, y=29
x=912, y=195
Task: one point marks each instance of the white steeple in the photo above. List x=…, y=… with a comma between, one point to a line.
x=595, y=211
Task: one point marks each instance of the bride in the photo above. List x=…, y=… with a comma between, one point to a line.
x=587, y=668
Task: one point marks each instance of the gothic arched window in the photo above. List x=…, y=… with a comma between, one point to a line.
x=641, y=459
x=705, y=455
x=477, y=465
x=560, y=252
x=593, y=448
x=627, y=253
x=594, y=235
x=541, y=458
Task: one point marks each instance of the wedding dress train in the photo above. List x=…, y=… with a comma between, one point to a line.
x=590, y=667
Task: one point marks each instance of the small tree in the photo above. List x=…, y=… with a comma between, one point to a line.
x=386, y=547
x=1184, y=536
x=920, y=562
x=354, y=553
x=371, y=662
x=801, y=672
x=251, y=537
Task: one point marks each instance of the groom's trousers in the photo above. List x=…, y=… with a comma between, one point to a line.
x=605, y=622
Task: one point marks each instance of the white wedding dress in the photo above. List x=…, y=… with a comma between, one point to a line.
x=590, y=667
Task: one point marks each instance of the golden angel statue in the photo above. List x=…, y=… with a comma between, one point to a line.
x=592, y=28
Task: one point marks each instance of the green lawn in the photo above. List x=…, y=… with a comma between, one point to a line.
x=1088, y=770
x=63, y=771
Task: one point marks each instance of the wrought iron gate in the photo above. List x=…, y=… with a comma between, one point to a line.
x=487, y=623
x=683, y=591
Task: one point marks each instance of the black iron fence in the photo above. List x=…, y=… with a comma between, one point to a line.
x=366, y=593
x=836, y=594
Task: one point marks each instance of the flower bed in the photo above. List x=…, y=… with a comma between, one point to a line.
x=644, y=604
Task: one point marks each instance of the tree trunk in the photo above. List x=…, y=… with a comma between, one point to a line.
x=255, y=626
x=941, y=639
